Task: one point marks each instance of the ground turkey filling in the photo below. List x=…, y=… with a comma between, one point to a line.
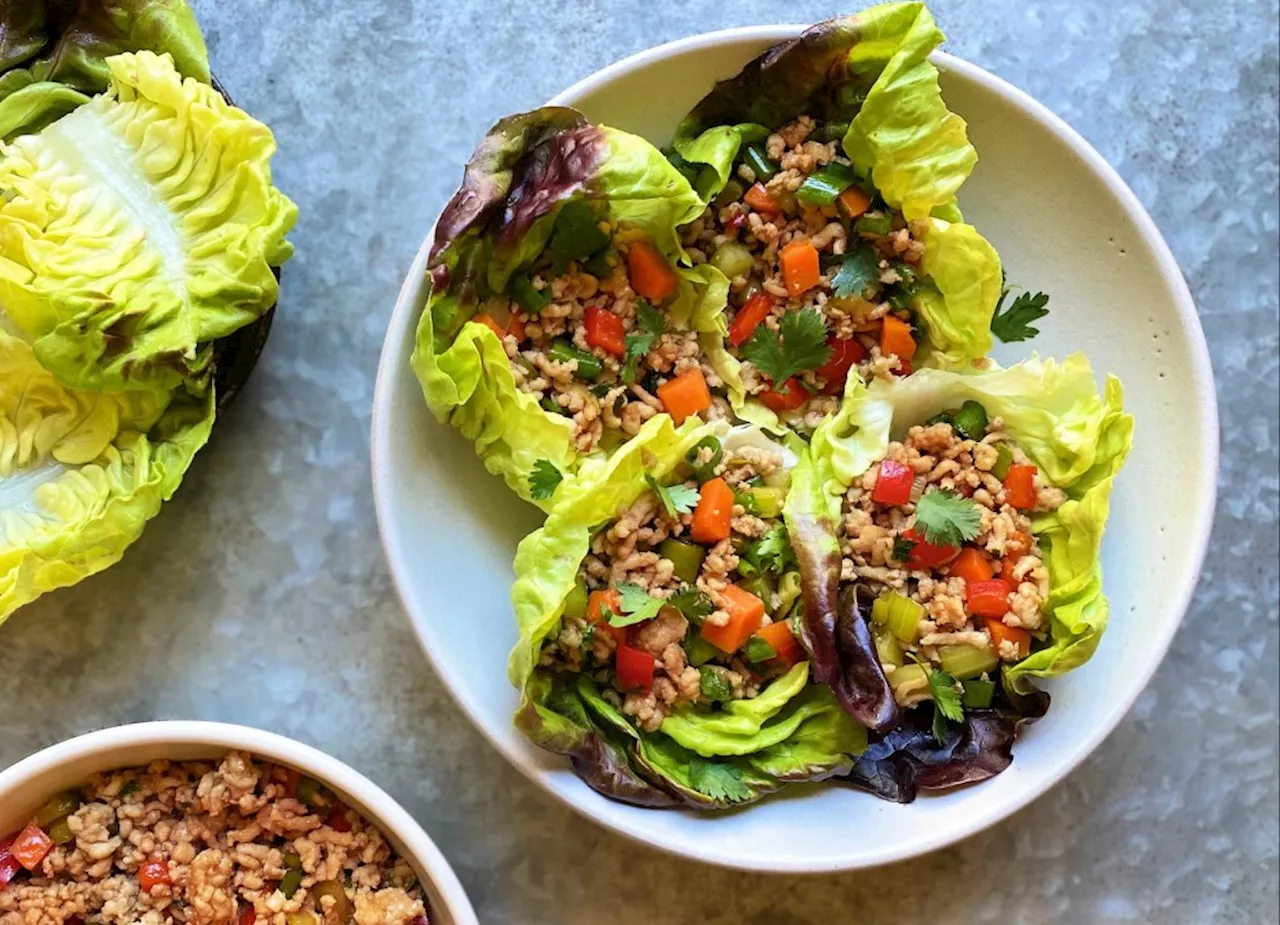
x=678, y=664
x=942, y=459
x=573, y=353
x=748, y=226
x=236, y=843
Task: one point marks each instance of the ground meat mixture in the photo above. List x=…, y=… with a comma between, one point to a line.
x=872, y=534
x=239, y=842
x=574, y=353
x=692, y=650
x=755, y=218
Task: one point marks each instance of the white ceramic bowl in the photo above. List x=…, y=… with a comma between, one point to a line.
x=30, y=782
x=1065, y=223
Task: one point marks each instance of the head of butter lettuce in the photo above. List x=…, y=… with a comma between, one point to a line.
x=1054, y=412
x=138, y=229
x=706, y=759
x=81, y=472
x=516, y=185
x=871, y=70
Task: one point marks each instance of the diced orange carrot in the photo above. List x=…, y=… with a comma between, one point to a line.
x=687, y=394
x=515, y=326
x=1020, y=487
x=489, y=322
x=800, y=269
x=651, y=275
x=1000, y=633
x=597, y=603
x=762, y=200
x=896, y=339
x=746, y=613
x=854, y=201
x=972, y=565
x=714, y=513
x=783, y=642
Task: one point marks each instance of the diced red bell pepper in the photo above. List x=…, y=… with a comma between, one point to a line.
x=1020, y=487
x=9, y=865
x=791, y=396
x=635, y=668
x=737, y=221
x=845, y=354
x=248, y=916
x=893, y=483
x=988, y=598
x=338, y=820
x=925, y=555
x=30, y=846
x=749, y=317
x=153, y=874
x=291, y=779
x=604, y=330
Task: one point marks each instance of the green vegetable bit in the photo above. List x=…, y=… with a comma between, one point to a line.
x=873, y=225
x=733, y=259
x=575, y=602
x=291, y=881
x=686, y=557
x=530, y=299
x=715, y=684
x=758, y=650
x=759, y=162
x=767, y=502
x=970, y=421
x=698, y=651
x=1004, y=459
x=703, y=471
x=966, y=662
x=310, y=792
x=899, y=614
x=576, y=235
x=589, y=365
x=60, y=832
x=978, y=694
x=823, y=187
x=57, y=807
x=544, y=480
x=761, y=585
x=732, y=192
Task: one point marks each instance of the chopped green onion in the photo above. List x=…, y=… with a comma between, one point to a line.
x=686, y=557
x=978, y=694
x=970, y=420
x=60, y=832
x=575, y=602
x=964, y=662
x=758, y=650
x=733, y=259
x=291, y=881
x=832, y=131
x=697, y=651
x=900, y=614
x=942, y=417
x=759, y=162
x=589, y=365
x=550, y=404
x=1004, y=459
x=823, y=187
x=527, y=297
x=705, y=470
x=873, y=226
x=57, y=807
x=715, y=684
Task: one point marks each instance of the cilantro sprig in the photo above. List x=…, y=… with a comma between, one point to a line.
x=946, y=700
x=636, y=605
x=859, y=271
x=800, y=344
x=722, y=782
x=677, y=499
x=1014, y=324
x=771, y=553
x=544, y=479
x=944, y=518
x=693, y=604
x=650, y=325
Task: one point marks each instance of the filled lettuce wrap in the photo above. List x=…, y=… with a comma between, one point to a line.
x=656, y=609
x=830, y=167
x=560, y=318
x=81, y=472
x=963, y=515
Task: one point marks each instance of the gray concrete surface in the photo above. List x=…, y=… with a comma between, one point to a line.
x=260, y=594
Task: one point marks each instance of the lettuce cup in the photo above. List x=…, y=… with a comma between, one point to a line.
x=560, y=318
x=830, y=167
x=950, y=525
x=657, y=610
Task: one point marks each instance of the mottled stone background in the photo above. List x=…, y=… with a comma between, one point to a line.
x=260, y=595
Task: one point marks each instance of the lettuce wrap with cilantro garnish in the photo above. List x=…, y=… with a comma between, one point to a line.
x=541, y=186
x=871, y=72
x=702, y=756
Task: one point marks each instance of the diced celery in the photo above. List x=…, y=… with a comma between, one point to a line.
x=733, y=259
x=887, y=646
x=978, y=694
x=1004, y=459
x=910, y=684
x=575, y=602
x=732, y=192
x=57, y=807
x=698, y=651
x=761, y=585
x=768, y=501
x=873, y=226
x=778, y=478
x=963, y=662
x=788, y=591
x=686, y=557
x=899, y=614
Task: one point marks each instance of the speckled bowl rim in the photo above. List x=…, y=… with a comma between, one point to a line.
x=384, y=812
x=1199, y=525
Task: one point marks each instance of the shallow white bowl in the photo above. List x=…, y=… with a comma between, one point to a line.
x=1065, y=223
x=27, y=784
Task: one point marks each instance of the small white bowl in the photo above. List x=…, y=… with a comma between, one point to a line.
x=30, y=782
x=1064, y=222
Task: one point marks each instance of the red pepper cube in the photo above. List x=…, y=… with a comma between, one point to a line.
x=893, y=483
x=153, y=874
x=1020, y=487
x=845, y=354
x=604, y=330
x=925, y=555
x=789, y=397
x=988, y=598
x=30, y=846
x=635, y=668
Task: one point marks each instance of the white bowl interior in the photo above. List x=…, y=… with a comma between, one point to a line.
x=1064, y=223
x=26, y=785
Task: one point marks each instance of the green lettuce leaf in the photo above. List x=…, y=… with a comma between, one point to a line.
x=520, y=177
x=53, y=53
x=140, y=228
x=81, y=472
x=1054, y=412
x=954, y=309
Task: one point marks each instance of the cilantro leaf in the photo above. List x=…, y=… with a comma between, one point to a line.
x=799, y=345
x=946, y=519
x=650, y=326
x=946, y=699
x=695, y=605
x=859, y=271
x=544, y=480
x=575, y=235
x=759, y=651
x=902, y=549
x=773, y=551
x=722, y=782
x=1013, y=324
x=677, y=499
x=637, y=606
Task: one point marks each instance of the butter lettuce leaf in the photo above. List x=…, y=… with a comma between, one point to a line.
x=140, y=228
x=81, y=472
